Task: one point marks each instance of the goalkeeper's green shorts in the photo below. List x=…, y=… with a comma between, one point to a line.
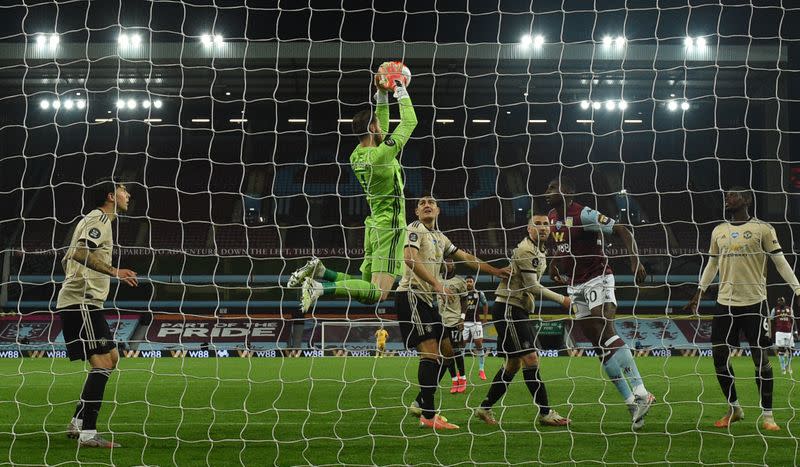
x=383, y=250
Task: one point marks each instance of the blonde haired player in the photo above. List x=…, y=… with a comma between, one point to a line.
x=380, y=342
x=516, y=297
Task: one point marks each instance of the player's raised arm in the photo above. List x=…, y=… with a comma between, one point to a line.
x=393, y=144
x=382, y=109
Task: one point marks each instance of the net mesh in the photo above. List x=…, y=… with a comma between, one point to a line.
x=230, y=124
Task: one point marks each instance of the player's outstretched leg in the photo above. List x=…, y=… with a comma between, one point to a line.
x=357, y=289
x=315, y=269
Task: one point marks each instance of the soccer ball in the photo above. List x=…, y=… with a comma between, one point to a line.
x=389, y=72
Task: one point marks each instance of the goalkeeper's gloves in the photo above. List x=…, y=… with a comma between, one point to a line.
x=400, y=91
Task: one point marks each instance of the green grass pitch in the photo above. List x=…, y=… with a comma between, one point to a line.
x=350, y=411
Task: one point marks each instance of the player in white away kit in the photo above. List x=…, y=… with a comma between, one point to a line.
x=516, y=336
x=88, y=270
x=739, y=251
x=426, y=247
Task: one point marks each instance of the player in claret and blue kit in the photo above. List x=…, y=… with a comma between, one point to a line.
x=784, y=333
x=579, y=234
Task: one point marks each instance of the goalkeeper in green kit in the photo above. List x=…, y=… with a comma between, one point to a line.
x=375, y=164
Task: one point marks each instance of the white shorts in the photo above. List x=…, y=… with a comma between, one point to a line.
x=472, y=331
x=784, y=339
x=592, y=294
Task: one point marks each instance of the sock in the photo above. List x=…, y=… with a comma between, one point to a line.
x=536, y=388
x=724, y=373
x=481, y=358
x=445, y=366
x=629, y=369
x=87, y=434
x=78, y=409
x=782, y=360
x=498, y=387
x=614, y=370
x=363, y=291
x=92, y=396
x=427, y=375
x=789, y=359
x=333, y=276
x=77, y=422
x=452, y=369
x=766, y=413
x=460, y=363
x=764, y=380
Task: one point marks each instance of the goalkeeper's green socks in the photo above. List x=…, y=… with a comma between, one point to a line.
x=333, y=276
x=363, y=291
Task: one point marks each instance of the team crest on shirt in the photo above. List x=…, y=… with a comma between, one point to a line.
x=559, y=225
x=568, y=221
x=748, y=234
x=735, y=235
x=94, y=233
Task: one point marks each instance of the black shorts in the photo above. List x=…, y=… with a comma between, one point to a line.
x=418, y=320
x=86, y=331
x=455, y=333
x=516, y=336
x=730, y=321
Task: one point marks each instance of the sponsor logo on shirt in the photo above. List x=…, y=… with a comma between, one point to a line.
x=94, y=233
x=388, y=142
x=558, y=236
x=412, y=237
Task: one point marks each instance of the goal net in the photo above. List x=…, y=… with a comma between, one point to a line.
x=229, y=123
